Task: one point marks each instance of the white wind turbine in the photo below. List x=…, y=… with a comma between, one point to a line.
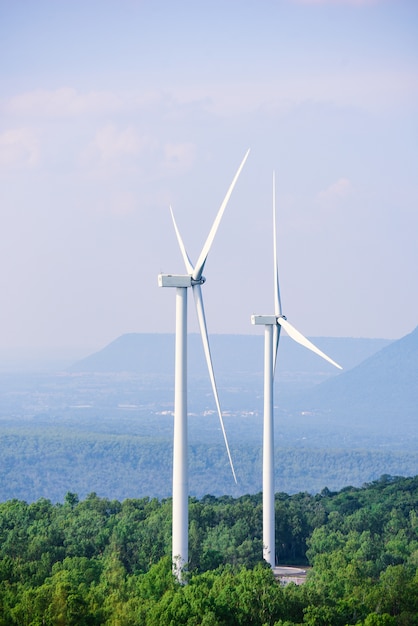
x=272, y=326
x=195, y=280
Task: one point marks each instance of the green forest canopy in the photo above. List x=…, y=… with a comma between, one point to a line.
x=101, y=561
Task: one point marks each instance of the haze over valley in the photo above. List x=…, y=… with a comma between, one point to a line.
x=105, y=423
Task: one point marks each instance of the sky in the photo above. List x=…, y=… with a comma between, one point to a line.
x=113, y=110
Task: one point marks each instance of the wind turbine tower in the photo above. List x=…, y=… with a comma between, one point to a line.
x=272, y=326
x=194, y=279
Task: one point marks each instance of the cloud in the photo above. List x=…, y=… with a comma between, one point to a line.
x=335, y=193
x=179, y=157
x=372, y=89
x=314, y=213
x=123, y=203
x=112, y=147
x=62, y=102
x=19, y=148
x=112, y=143
x=68, y=102
x=121, y=154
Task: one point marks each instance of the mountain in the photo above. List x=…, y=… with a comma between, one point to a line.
x=383, y=390
x=233, y=355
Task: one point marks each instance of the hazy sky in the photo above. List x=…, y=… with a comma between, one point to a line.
x=111, y=110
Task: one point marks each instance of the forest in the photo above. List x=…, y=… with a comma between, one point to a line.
x=49, y=459
x=100, y=561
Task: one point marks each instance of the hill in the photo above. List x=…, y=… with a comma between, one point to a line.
x=380, y=393
x=386, y=382
x=233, y=355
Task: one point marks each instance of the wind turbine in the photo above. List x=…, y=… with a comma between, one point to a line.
x=195, y=280
x=272, y=327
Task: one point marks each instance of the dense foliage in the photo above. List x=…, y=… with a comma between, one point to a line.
x=126, y=459
x=100, y=561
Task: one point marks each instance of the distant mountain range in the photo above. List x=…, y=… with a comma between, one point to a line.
x=376, y=394
x=383, y=387
x=106, y=424
x=233, y=355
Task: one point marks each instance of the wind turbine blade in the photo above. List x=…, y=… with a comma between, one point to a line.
x=197, y=292
x=299, y=338
x=276, y=337
x=187, y=261
x=197, y=273
x=277, y=301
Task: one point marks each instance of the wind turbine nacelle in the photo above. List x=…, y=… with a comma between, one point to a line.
x=264, y=320
x=174, y=280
